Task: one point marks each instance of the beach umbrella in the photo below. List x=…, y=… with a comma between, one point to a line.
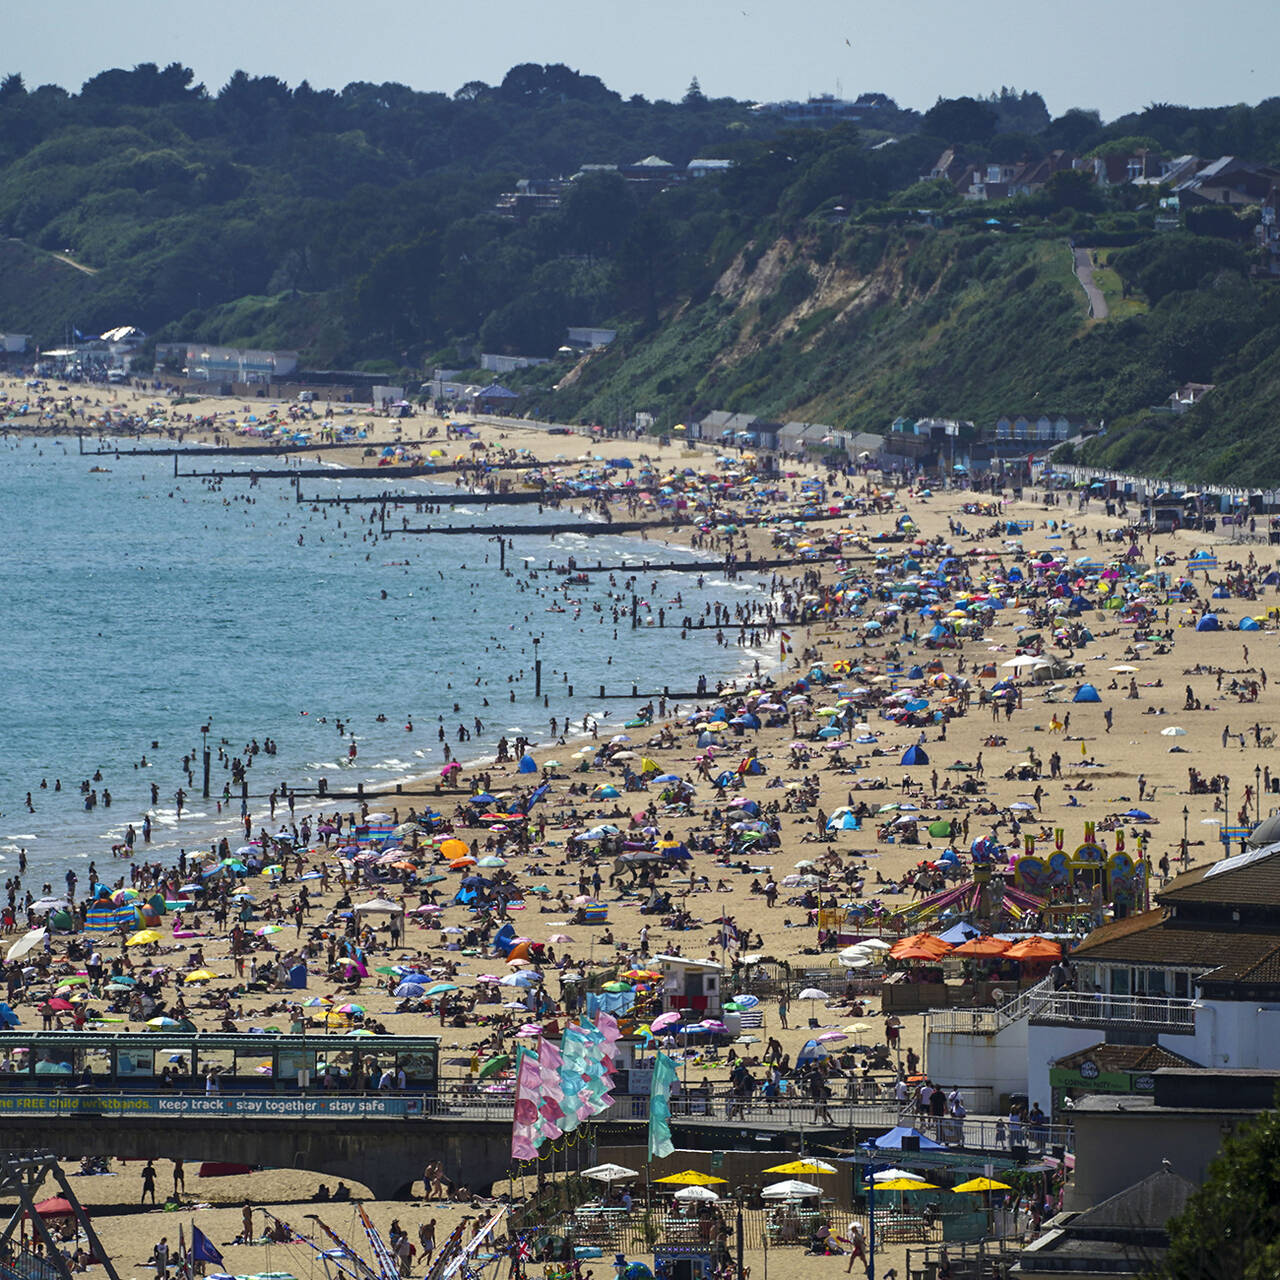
x=142, y=937
x=982, y=947
x=1173, y=731
x=610, y=1173
x=1035, y=949
x=492, y=1066
x=703, y=1194
x=981, y=1184
x=163, y=1024
x=691, y=1178
x=26, y=944
x=200, y=975
x=904, y=1184
x=809, y=1166
x=410, y=991
x=791, y=1189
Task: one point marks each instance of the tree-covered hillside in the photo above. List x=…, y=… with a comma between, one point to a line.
x=820, y=276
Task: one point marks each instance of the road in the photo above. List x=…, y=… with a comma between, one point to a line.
x=1098, y=308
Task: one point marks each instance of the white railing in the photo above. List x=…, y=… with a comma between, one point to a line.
x=1175, y=1013
x=987, y=1021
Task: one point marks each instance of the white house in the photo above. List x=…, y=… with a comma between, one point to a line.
x=701, y=167
x=689, y=984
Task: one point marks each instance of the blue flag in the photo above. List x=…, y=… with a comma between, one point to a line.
x=202, y=1249
x=664, y=1076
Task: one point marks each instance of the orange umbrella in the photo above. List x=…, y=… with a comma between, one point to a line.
x=982, y=947
x=928, y=942
x=455, y=848
x=460, y=864
x=1035, y=949
x=914, y=953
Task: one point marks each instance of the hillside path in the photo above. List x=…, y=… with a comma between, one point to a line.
x=1098, y=308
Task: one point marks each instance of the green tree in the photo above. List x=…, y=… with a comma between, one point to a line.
x=961, y=120
x=1230, y=1229
x=1175, y=263
x=693, y=96
x=597, y=213
x=1072, y=189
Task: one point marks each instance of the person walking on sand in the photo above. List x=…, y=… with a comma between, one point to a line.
x=148, y=1183
x=179, y=1178
x=857, y=1247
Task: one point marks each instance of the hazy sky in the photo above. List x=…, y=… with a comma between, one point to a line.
x=1115, y=55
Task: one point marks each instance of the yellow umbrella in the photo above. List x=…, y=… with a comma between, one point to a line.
x=142, y=937
x=982, y=1184
x=691, y=1178
x=905, y=1184
x=200, y=975
x=803, y=1166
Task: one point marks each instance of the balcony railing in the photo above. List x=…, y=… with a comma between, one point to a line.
x=1171, y=1014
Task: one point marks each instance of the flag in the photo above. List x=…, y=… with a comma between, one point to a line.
x=202, y=1249
x=664, y=1076
x=783, y=644
x=550, y=1108
x=524, y=1120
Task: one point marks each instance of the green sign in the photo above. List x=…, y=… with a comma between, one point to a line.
x=269, y=1105
x=717, y=1159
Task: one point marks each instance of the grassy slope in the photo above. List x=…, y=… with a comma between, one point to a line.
x=927, y=329
x=39, y=292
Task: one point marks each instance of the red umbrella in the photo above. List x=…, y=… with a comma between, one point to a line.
x=59, y=1005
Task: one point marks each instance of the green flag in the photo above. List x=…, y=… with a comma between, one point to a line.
x=664, y=1076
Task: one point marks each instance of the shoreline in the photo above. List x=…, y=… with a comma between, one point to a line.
x=379, y=778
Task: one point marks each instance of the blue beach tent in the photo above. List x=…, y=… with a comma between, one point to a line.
x=1086, y=693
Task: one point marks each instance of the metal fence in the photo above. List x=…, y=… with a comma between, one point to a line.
x=638, y=1229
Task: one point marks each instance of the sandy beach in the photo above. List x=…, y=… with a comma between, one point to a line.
x=1112, y=756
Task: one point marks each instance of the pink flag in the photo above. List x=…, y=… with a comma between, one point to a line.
x=524, y=1121
x=551, y=1107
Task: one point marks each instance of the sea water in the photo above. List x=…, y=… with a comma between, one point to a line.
x=139, y=607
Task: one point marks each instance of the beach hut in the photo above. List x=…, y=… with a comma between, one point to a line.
x=1086, y=693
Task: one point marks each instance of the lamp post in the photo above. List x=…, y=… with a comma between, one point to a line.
x=872, y=1170
x=740, y=1192
x=1226, y=813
